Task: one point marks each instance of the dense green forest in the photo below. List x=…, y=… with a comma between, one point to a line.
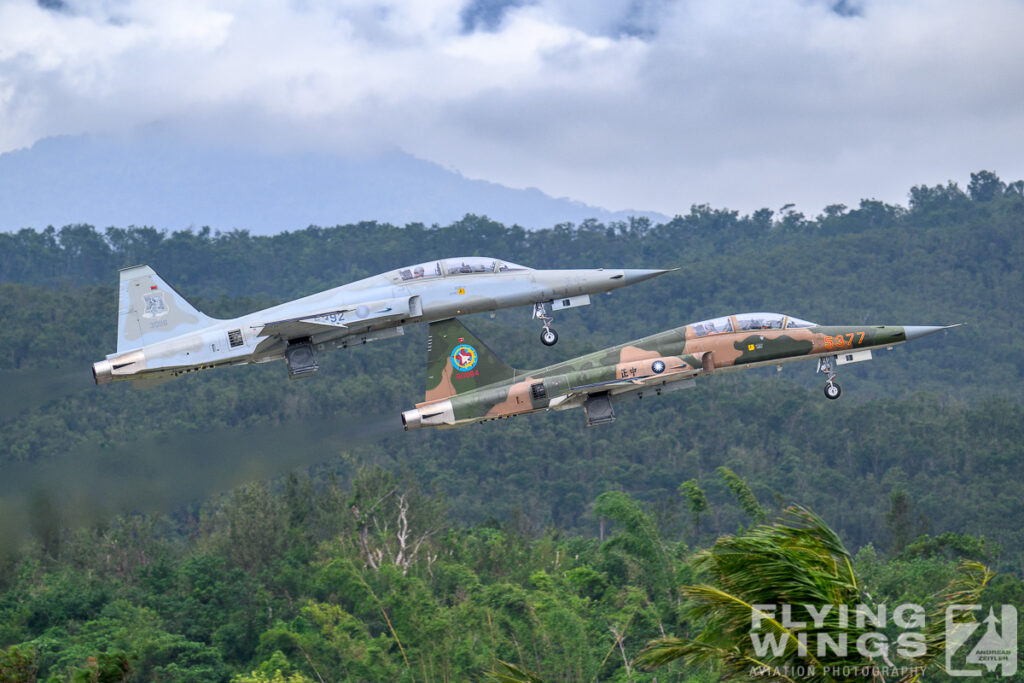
x=235, y=524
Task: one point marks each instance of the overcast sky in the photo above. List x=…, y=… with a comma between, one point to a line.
x=645, y=104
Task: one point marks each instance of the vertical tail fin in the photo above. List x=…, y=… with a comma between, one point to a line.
x=457, y=361
x=149, y=310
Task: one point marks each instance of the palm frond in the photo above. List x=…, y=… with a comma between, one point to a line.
x=731, y=616
x=735, y=663
x=511, y=674
x=965, y=589
x=795, y=562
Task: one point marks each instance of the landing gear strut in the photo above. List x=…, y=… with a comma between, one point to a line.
x=548, y=337
x=832, y=388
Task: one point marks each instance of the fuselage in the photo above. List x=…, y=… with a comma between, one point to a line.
x=662, y=362
x=359, y=312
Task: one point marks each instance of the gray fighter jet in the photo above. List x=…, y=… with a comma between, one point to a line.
x=161, y=336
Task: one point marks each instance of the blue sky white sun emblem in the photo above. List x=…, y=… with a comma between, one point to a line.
x=658, y=367
x=464, y=357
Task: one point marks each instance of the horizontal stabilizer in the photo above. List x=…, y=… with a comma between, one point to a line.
x=151, y=382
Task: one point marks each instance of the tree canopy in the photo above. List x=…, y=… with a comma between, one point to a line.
x=235, y=525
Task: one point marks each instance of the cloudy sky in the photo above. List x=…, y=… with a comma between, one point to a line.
x=645, y=104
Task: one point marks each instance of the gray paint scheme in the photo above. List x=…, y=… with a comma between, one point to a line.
x=162, y=336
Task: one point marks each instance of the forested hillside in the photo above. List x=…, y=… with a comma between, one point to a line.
x=127, y=541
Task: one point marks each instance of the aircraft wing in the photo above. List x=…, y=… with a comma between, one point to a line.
x=675, y=370
x=291, y=328
x=635, y=382
x=332, y=320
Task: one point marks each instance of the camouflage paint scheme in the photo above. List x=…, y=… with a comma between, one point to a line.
x=662, y=362
x=160, y=335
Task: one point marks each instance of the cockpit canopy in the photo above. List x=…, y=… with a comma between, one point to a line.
x=456, y=266
x=793, y=323
x=748, y=321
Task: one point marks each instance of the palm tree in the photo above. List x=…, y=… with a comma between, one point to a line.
x=770, y=575
x=511, y=674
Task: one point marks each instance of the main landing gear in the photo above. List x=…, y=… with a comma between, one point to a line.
x=832, y=388
x=548, y=337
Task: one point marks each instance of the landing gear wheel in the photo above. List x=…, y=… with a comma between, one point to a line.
x=548, y=337
x=833, y=391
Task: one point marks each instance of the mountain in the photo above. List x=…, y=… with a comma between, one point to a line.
x=170, y=183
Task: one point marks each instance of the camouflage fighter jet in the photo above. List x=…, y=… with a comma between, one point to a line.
x=161, y=336
x=467, y=383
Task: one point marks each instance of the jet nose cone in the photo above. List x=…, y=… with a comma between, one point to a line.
x=916, y=331
x=634, y=275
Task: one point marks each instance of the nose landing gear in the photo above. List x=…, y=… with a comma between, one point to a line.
x=548, y=337
x=832, y=388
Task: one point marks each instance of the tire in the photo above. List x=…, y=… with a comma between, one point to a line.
x=833, y=391
x=548, y=337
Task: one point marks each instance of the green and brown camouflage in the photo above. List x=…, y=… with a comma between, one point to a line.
x=467, y=382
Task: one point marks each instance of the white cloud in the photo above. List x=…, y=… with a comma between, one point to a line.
x=652, y=105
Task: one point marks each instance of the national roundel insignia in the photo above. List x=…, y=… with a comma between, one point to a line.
x=464, y=357
x=658, y=367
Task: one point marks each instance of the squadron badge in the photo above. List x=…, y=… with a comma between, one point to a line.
x=464, y=357
x=155, y=306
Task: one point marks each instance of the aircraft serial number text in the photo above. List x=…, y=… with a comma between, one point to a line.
x=840, y=340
